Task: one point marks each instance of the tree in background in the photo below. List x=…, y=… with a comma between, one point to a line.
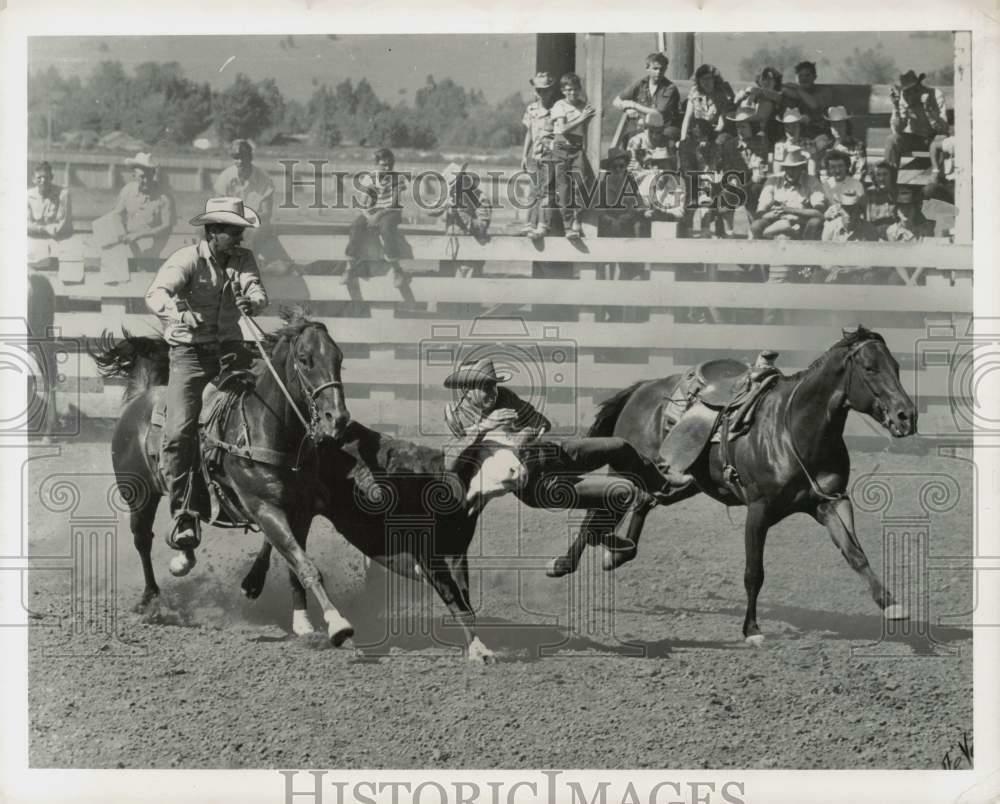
x=783, y=58
x=166, y=106
x=871, y=66
x=246, y=108
x=943, y=77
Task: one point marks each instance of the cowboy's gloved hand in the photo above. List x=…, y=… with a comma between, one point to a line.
x=244, y=304
x=497, y=419
x=191, y=318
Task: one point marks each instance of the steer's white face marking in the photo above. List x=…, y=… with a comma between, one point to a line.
x=500, y=473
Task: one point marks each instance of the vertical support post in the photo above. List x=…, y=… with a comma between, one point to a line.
x=963, y=136
x=680, y=51
x=594, y=83
x=555, y=53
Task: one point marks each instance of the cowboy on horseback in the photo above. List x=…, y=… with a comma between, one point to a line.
x=485, y=407
x=199, y=294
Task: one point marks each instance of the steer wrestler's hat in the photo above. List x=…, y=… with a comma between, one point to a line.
x=475, y=374
x=227, y=210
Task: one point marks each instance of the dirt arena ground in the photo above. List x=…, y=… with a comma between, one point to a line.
x=643, y=668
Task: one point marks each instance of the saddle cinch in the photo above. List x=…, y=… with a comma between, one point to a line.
x=221, y=397
x=714, y=401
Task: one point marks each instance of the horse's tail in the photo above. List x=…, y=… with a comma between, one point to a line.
x=144, y=361
x=609, y=411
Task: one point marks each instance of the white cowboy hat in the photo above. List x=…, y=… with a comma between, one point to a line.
x=742, y=114
x=849, y=198
x=837, y=113
x=227, y=210
x=794, y=157
x=142, y=160
x=792, y=115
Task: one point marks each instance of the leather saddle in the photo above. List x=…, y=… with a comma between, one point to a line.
x=713, y=401
x=219, y=399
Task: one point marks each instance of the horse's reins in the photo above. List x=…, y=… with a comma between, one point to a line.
x=791, y=440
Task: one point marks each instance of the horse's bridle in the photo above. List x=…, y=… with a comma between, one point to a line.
x=312, y=391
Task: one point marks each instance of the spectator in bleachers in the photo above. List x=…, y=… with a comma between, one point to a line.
x=382, y=212
x=711, y=218
x=909, y=224
x=942, y=183
x=842, y=139
x=792, y=203
x=570, y=118
x=146, y=209
x=619, y=214
x=747, y=153
x=654, y=92
x=766, y=101
x=839, y=181
x=467, y=211
x=918, y=116
x=812, y=99
x=652, y=147
x=709, y=100
x=537, y=149
x=244, y=180
x=49, y=213
x=881, y=197
x=794, y=139
x=845, y=220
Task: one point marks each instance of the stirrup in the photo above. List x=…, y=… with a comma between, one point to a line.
x=188, y=538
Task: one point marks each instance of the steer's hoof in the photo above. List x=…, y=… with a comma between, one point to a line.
x=895, y=612
x=755, y=640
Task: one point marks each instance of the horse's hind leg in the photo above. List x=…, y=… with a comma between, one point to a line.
x=838, y=517
x=141, y=523
x=253, y=581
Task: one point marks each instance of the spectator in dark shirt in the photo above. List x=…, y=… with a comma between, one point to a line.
x=654, y=92
x=910, y=224
x=918, y=116
x=812, y=99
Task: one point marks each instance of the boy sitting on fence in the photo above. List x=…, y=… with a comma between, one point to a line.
x=381, y=211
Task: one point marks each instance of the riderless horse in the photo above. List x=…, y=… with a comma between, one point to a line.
x=775, y=445
x=258, y=442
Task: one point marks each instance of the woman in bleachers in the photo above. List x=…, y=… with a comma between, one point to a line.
x=881, y=197
x=766, y=101
x=709, y=100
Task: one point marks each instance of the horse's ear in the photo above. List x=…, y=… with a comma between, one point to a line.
x=848, y=332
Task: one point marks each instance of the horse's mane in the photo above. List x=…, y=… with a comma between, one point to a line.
x=144, y=360
x=849, y=339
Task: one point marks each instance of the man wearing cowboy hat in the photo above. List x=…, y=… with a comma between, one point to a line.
x=746, y=154
x=918, y=116
x=792, y=203
x=848, y=224
x=484, y=407
x=910, y=223
x=539, y=136
x=146, y=210
x=792, y=122
x=199, y=294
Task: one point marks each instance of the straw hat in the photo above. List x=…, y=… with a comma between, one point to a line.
x=227, y=210
x=793, y=157
x=742, y=114
x=142, y=160
x=837, y=113
x=475, y=374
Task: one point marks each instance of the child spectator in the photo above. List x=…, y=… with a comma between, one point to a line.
x=791, y=121
x=881, y=198
x=381, y=211
x=766, y=102
x=49, y=215
x=844, y=140
x=537, y=149
x=746, y=153
x=811, y=98
x=910, y=224
x=467, y=211
x=653, y=93
x=570, y=116
x=651, y=147
x=918, y=116
x=792, y=203
x=942, y=183
x=708, y=101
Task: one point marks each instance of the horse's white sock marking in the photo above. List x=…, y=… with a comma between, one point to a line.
x=300, y=623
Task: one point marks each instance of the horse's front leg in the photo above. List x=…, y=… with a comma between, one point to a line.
x=450, y=580
x=755, y=533
x=838, y=517
x=279, y=533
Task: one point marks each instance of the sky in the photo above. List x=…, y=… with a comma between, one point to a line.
x=398, y=65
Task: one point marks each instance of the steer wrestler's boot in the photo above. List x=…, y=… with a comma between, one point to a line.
x=675, y=481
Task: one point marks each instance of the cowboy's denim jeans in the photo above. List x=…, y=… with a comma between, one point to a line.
x=192, y=367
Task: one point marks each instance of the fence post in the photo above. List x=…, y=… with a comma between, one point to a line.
x=963, y=136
